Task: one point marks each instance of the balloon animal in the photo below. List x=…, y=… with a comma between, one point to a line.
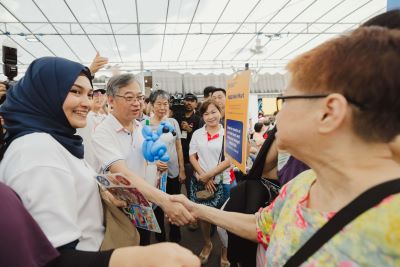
x=153, y=148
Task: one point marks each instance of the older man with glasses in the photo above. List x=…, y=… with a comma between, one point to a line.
x=118, y=146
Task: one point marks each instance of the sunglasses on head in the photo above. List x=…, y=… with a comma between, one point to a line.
x=97, y=93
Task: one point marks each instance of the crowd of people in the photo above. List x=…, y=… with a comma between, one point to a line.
x=332, y=149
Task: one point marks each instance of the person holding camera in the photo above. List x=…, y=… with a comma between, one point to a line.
x=189, y=122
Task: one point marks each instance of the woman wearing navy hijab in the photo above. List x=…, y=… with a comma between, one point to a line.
x=43, y=163
x=43, y=158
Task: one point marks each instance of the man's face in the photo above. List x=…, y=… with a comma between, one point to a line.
x=190, y=105
x=219, y=97
x=127, y=102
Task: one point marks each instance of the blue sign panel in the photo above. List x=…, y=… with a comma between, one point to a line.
x=233, y=136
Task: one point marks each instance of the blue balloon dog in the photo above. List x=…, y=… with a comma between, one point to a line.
x=153, y=148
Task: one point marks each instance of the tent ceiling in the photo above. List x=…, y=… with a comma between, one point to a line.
x=180, y=35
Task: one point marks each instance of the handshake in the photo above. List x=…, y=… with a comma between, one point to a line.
x=180, y=210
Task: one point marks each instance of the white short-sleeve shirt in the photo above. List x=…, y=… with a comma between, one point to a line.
x=92, y=121
x=58, y=189
x=112, y=142
x=209, y=152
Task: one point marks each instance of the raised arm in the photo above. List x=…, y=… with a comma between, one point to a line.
x=175, y=211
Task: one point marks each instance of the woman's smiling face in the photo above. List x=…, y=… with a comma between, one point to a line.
x=77, y=103
x=212, y=116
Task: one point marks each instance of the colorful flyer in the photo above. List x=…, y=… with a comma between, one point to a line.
x=236, y=119
x=163, y=181
x=142, y=217
x=138, y=210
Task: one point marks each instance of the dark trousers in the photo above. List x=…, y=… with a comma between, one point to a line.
x=173, y=188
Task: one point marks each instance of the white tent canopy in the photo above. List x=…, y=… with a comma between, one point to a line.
x=196, y=36
x=175, y=82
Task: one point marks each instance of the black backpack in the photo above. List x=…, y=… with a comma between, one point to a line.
x=252, y=193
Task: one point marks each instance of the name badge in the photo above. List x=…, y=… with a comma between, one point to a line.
x=184, y=134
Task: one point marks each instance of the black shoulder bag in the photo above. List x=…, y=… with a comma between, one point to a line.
x=359, y=205
x=252, y=193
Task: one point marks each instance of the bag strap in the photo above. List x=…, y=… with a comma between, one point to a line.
x=359, y=205
x=256, y=170
x=222, y=155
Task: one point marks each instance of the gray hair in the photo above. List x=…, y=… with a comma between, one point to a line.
x=119, y=81
x=158, y=94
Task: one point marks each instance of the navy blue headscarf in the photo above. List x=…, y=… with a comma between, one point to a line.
x=34, y=103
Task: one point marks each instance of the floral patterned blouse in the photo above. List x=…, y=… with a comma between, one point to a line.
x=372, y=239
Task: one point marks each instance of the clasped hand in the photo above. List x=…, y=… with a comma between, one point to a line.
x=190, y=206
x=185, y=126
x=207, y=180
x=177, y=213
x=161, y=166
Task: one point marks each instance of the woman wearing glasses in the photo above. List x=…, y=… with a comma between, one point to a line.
x=43, y=163
x=339, y=115
x=159, y=101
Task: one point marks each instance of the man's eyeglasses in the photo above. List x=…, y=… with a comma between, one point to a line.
x=281, y=99
x=130, y=99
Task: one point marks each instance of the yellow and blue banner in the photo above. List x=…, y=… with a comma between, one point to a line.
x=236, y=119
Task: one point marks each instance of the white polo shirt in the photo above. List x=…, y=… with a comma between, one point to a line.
x=92, y=121
x=112, y=142
x=208, y=152
x=58, y=190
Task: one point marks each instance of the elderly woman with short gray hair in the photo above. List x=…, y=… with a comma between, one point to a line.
x=159, y=100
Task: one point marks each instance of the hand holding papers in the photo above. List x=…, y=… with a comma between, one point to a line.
x=138, y=209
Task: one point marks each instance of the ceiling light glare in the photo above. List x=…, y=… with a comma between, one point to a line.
x=31, y=39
